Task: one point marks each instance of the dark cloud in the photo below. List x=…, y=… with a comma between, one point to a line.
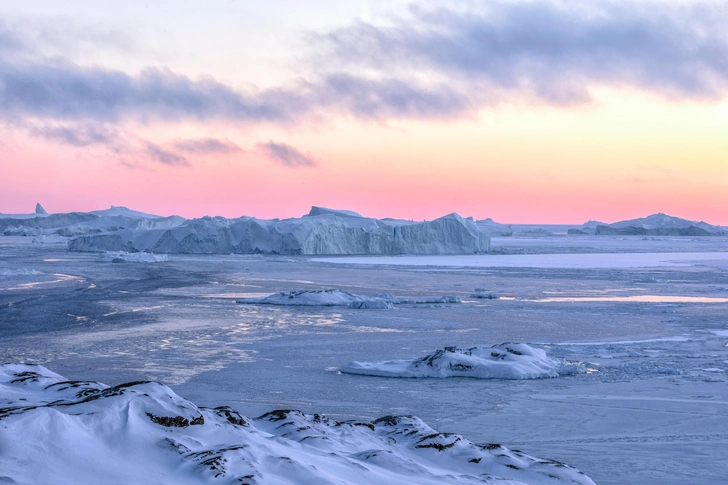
x=286, y=155
x=65, y=91
x=554, y=51
x=164, y=156
x=207, y=146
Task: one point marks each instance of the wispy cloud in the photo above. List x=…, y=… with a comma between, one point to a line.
x=164, y=156
x=204, y=146
x=286, y=155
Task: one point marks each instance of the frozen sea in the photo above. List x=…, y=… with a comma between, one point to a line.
x=648, y=318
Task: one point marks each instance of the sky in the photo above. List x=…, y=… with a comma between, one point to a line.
x=522, y=111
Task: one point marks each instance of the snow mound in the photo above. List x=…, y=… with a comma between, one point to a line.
x=123, y=256
x=503, y=361
x=70, y=432
x=323, y=231
x=343, y=298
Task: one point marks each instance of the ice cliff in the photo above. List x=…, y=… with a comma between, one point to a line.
x=322, y=231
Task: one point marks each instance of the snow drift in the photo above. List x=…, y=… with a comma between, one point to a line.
x=322, y=231
x=503, y=361
x=68, y=432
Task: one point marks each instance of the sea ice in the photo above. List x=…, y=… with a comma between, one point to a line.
x=18, y=272
x=123, y=256
x=343, y=298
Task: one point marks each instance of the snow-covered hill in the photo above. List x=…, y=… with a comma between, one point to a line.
x=78, y=432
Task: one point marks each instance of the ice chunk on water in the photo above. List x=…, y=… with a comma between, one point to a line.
x=123, y=256
x=503, y=361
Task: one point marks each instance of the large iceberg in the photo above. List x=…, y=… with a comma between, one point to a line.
x=322, y=231
x=503, y=361
x=75, y=432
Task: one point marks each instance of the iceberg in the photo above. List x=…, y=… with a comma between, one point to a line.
x=503, y=361
x=321, y=232
x=654, y=225
x=53, y=430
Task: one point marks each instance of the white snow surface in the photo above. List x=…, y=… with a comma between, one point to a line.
x=322, y=231
x=123, y=256
x=73, y=432
x=343, y=298
x=503, y=361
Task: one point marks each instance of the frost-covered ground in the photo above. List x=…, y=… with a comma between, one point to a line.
x=650, y=409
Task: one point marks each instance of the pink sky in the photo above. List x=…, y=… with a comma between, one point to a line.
x=483, y=110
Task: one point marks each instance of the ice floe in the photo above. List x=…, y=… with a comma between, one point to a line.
x=68, y=432
x=343, y=298
x=123, y=256
x=503, y=361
